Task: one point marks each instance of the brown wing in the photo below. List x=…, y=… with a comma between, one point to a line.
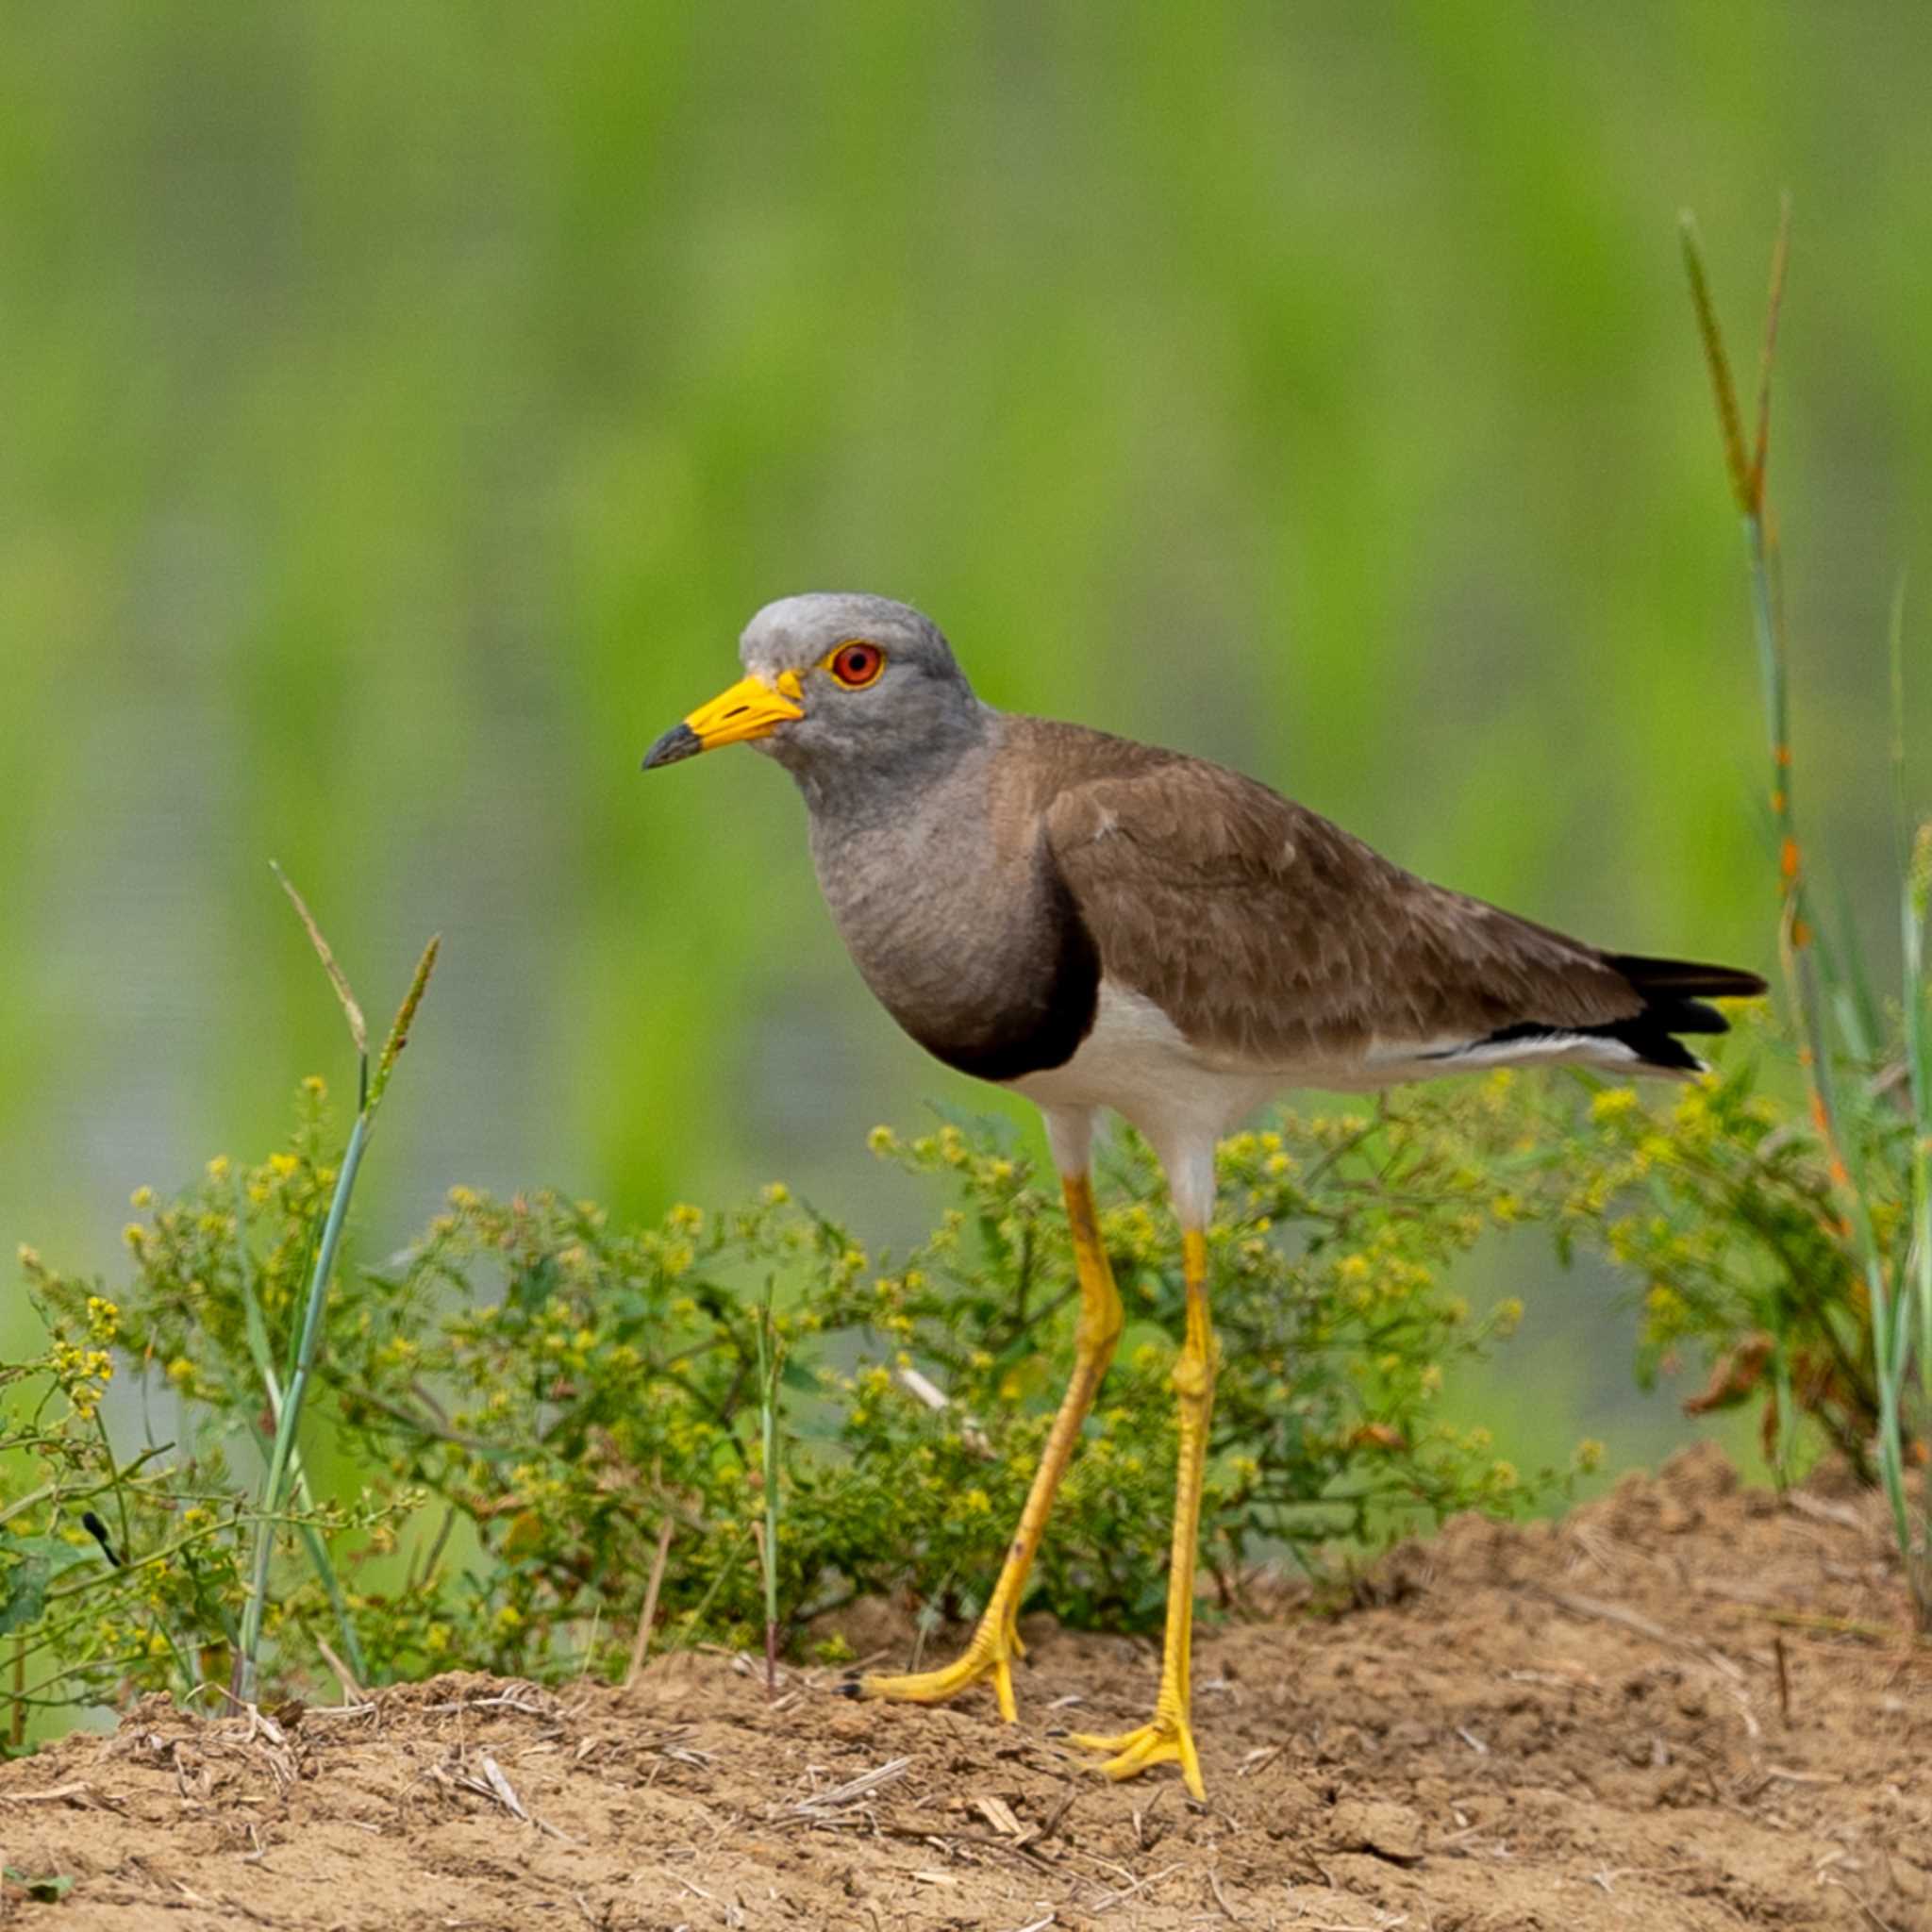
x=1264, y=931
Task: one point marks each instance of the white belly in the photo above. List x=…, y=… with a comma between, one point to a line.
x=1136, y=1061
x=1185, y=1098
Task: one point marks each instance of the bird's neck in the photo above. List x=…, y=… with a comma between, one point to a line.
x=906, y=874
x=887, y=784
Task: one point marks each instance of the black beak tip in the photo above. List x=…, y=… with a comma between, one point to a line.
x=680, y=741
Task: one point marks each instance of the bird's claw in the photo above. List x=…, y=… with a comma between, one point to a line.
x=992, y=1652
x=1164, y=1739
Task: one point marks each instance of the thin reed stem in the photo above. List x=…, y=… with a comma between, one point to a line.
x=1797, y=928
x=290, y=1420
x=768, y=1358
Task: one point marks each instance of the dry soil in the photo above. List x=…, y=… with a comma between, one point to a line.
x=1688, y=1704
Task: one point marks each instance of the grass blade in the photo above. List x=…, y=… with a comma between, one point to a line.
x=358, y=1029
x=1718, y=363
x=282, y=1453
x=406, y=1017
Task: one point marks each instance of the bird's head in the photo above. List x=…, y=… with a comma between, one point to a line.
x=840, y=688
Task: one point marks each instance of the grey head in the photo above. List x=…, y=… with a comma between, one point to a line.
x=855, y=695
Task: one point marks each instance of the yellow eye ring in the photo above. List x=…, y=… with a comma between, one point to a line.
x=855, y=663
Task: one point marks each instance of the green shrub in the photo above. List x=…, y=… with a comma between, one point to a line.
x=1720, y=1201
x=507, y=1412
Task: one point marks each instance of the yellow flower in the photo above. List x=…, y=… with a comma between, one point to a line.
x=882, y=1140
x=217, y=1168
x=315, y=1086
x=777, y=1195
x=135, y=1236
x=283, y=1166
x=103, y=1319
x=141, y=1199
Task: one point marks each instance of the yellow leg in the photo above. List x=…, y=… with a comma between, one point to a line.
x=996, y=1641
x=1166, y=1737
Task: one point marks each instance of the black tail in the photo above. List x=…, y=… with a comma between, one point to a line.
x=1674, y=994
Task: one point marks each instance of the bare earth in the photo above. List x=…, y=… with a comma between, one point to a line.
x=1574, y=1725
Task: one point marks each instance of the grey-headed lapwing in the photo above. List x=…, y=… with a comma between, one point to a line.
x=1099, y=924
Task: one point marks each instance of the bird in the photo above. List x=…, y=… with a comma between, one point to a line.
x=1104, y=926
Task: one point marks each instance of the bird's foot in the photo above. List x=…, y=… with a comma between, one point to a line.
x=991, y=1653
x=1164, y=1739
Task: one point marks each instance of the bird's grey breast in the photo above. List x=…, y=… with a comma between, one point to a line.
x=949, y=903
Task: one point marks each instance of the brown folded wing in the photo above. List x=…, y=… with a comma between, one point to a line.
x=1265, y=932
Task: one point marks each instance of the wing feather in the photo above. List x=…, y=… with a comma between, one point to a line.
x=1264, y=931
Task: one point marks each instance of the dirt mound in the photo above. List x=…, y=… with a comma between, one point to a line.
x=1685, y=1705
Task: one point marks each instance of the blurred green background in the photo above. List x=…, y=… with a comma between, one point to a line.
x=403, y=407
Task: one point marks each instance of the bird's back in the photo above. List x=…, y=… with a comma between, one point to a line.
x=1266, y=933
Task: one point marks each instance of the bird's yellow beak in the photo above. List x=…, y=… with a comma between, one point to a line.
x=751, y=708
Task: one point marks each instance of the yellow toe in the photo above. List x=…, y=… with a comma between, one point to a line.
x=990, y=1655
x=1164, y=1739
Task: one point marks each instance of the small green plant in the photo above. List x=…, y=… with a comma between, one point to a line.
x=47, y=1889
x=176, y=1586
x=1720, y=1202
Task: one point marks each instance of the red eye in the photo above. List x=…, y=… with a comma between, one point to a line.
x=856, y=665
